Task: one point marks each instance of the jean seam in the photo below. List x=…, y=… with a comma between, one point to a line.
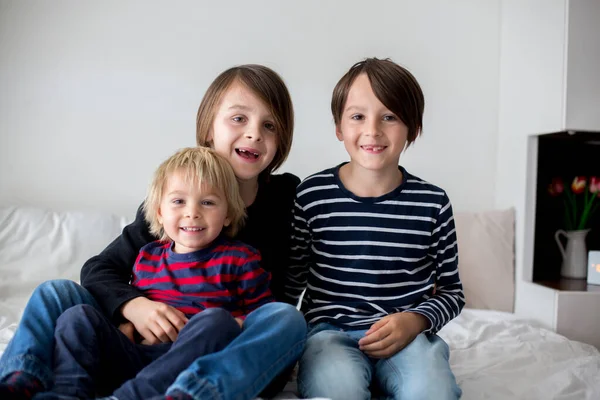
x=394, y=369
x=292, y=350
x=202, y=384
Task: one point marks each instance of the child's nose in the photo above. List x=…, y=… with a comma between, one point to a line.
x=372, y=128
x=253, y=132
x=192, y=212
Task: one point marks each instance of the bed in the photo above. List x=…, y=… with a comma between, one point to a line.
x=494, y=354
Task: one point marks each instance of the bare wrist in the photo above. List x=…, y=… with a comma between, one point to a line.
x=131, y=304
x=421, y=322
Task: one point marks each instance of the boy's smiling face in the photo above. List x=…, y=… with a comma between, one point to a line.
x=373, y=136
x=192, y=216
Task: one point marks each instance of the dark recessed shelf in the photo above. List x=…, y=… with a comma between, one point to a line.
x=570, y=285
x=561, y=155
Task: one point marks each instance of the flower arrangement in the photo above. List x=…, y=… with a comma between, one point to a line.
x=579, y=198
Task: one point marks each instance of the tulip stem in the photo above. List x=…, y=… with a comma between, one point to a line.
x=586, y=209
x=571, y=203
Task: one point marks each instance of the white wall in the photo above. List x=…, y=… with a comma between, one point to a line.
x=532, y=87
x=582, y=100
x=93, y=95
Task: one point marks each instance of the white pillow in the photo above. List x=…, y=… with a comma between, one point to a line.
x=37, y=245
x=486, y=258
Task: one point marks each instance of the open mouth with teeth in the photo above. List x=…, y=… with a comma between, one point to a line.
x=191, y=229
x=373, y=149
x=247, y=154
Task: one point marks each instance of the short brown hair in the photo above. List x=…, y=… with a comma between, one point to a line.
x=393, y=85
x=201, y=165
x=268, y=86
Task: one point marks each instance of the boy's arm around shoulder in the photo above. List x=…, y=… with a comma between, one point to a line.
x=448, y=299
x=107, y=275
x=253, y=283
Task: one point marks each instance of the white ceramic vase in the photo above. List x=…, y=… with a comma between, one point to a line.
x=574, y=263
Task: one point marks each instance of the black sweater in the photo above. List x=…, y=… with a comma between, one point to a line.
x=267, y=228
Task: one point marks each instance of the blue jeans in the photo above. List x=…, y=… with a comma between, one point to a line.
x=31, y=348
x=271, y=341
x=93, y=356
x=333, y=366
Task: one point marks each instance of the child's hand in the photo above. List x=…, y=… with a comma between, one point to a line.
x=156, y=322
x=392, y=333
x=240, y=322
x=128, y=330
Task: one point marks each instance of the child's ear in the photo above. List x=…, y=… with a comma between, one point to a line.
x=338, y=133
x=227, y=222
x=159, y=216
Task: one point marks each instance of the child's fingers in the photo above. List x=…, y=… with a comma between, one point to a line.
x=149, y=336
x=128, y=330
x=176, y=318
x=377, y=325
x=374, y=340
x=167, y=332
x=157, y=334
x=387, y=347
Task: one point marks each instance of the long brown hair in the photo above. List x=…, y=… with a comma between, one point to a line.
x=268, y=86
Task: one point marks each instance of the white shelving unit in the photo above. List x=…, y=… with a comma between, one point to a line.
x=549, y=82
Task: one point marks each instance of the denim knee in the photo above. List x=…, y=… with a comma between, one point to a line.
x=63, y=293
x=215, y=316
x=56, y=286
x=77, y=314
x=289, y=316
x=332, y=366
x=214, y=313
x=409, y=373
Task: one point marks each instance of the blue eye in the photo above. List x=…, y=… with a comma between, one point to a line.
x=177, y=201
x=208, y=203
x=238, y=119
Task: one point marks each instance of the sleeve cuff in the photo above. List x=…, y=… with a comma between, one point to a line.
x=432, y=321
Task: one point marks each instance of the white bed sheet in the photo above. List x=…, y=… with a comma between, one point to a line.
x=494, y=355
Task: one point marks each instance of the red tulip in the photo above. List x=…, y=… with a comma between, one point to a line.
x=556, y=187
x=595, y=185
x=578, y=185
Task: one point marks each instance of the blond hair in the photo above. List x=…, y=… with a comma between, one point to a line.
x=268, y=86
x=200, y=165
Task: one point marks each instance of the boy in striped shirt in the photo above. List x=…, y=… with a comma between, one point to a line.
x=193, y=206
x=375, y=248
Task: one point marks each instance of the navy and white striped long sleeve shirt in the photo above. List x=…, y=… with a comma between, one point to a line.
x=360, y=259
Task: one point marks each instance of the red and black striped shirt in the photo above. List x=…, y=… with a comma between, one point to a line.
x=226, y=274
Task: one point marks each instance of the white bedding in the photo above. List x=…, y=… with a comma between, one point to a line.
x=494, y=355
